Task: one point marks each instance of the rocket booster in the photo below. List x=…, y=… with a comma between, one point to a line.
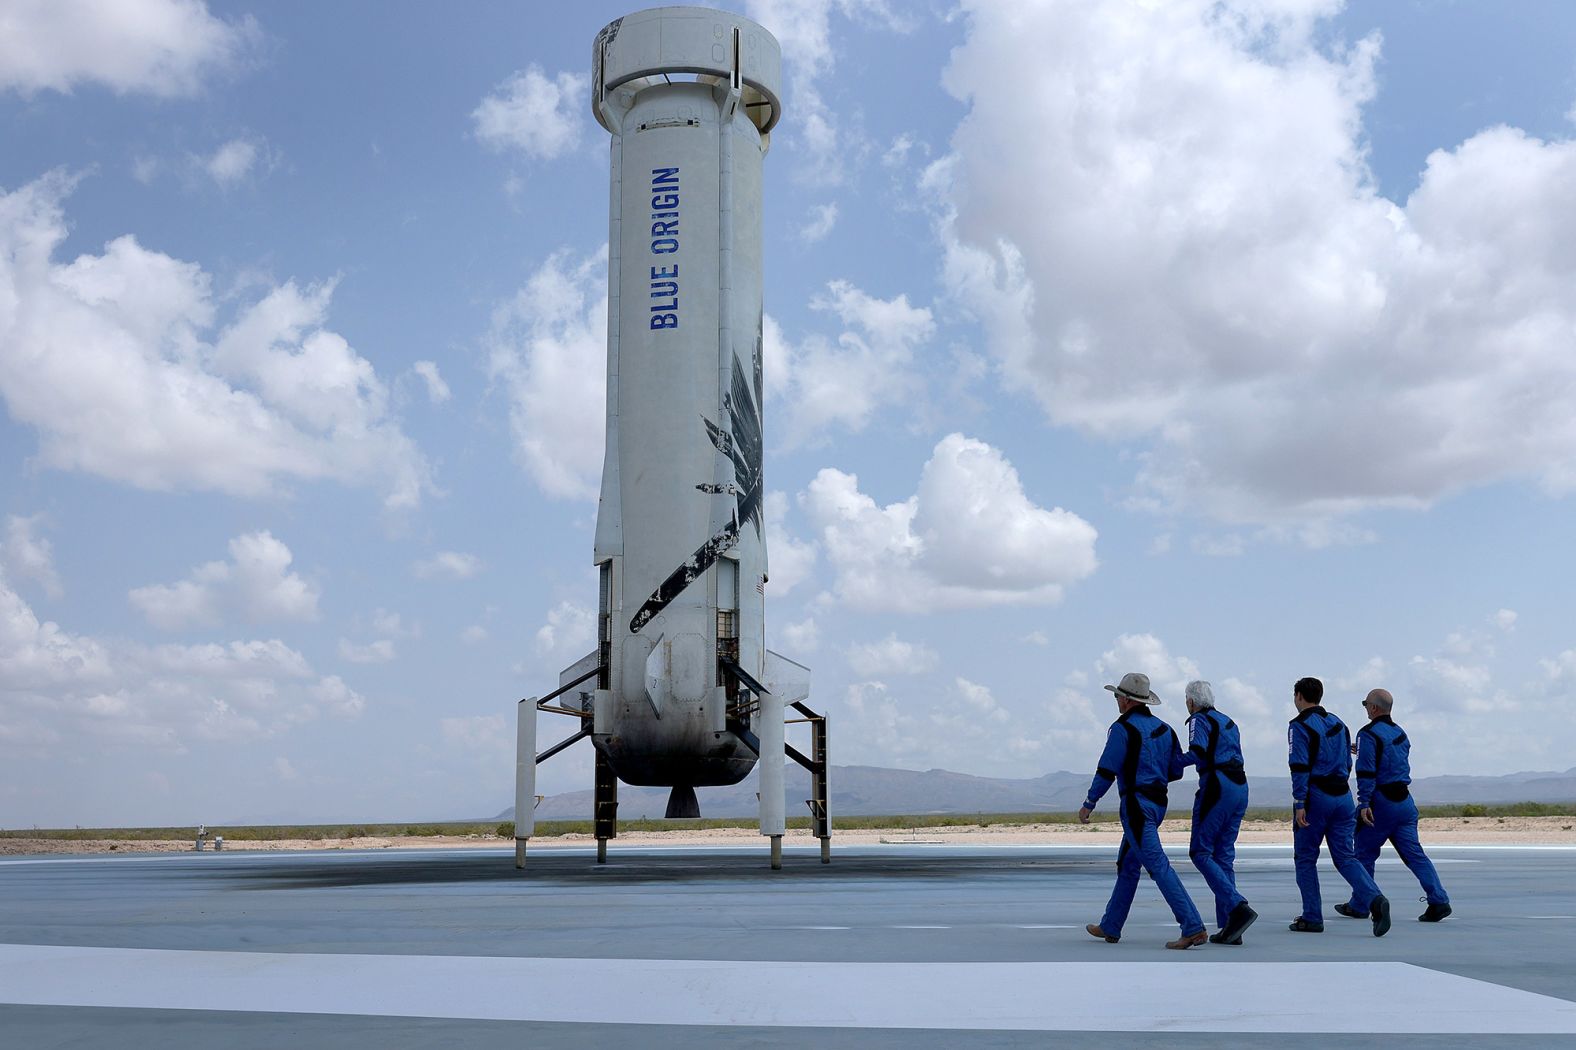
x=689, y=96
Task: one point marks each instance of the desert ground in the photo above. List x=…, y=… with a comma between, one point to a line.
x=1442, y=831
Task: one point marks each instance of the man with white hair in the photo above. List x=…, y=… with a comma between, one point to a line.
x=1385, y=810
x=1215, y=746
x=1141, y=757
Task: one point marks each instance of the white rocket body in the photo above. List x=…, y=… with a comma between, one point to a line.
x=688, y=95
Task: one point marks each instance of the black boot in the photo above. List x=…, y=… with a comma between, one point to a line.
x=1434, y=913
x=1237, y=924
x=1379, y=912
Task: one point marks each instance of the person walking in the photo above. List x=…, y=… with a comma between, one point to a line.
x=1385, y=809
x=1319, y=746
x=1215, y=747
x=1141, y=756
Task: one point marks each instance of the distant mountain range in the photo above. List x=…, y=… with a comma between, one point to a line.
x=874, y=791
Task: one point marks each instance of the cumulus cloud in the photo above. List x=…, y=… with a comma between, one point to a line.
x=570, y=630
x=25, y=554
x=891, y=655
x=56, y=685
x=968, y=537
x=255, y=586
x=548, y=346
x=108, y=359
x=538, y=115
x=1220, y=281
x=791, y=561
x=156, y=47
x=447, y=565
x=824, y=384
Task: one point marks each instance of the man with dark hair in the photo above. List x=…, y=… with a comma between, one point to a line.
x=1215, y=746
x=1319, y=749
x=1385, y=808
x=1141, y=757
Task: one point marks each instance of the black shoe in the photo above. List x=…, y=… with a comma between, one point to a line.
x=1219, y=937
x=1304, y=926
x=1351, y=912
x=1379, y=911
x=1434, y=913
x=1237, y=924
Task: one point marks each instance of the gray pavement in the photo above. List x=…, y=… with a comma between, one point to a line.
x=866, y=917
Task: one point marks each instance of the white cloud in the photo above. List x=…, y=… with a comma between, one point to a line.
x=1037, y=637
x=891, y=655
x=232, y=161
x=255, y=586
x=156, y=47
x=437, y=389
x=1219, y=279
x=823, y=385
x=105, y=357
x=1146, y=654
x=790, y=561
x=801, y=637
x=55, y=685
x=981, y=700
x=447, y=565
x=538, y=115
x=380, y=651
x=570, y=630
x=475, y=634
x=969, y=537
x=822, y=219
x=393, y=625
x=25, y=554
x=1505, y=620
x=548, y=345
x=826, y=147
x=284, y=769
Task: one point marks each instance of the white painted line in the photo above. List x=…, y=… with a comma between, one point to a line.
x=1045, y=996
x=919, y=927
x=1042, y=926
x=814, y=927
x=1549, y=916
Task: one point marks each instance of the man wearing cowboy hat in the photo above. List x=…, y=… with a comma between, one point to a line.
x=1141, y=756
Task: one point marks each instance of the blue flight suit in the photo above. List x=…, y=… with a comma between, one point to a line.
x=1319, y=745
x=1141, y=757
x=1384, y=769
x=1215, y=746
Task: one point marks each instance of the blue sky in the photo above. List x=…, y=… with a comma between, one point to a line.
x=1229, y=341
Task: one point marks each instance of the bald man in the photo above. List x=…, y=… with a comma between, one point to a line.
x=1386, y=812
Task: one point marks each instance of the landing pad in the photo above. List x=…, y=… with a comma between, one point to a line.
x=897, y=945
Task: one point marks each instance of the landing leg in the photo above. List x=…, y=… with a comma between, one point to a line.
x=524, y=777
x=605, y=804
x=821, y=815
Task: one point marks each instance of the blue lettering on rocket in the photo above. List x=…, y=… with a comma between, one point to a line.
x=664, y=241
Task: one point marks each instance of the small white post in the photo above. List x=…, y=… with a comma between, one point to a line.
x=524, y=777
x=769, y=731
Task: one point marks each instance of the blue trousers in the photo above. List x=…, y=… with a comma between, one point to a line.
x=1217, y=817
x=1396, y=823
x=1141, y=851
x=1332, y=819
